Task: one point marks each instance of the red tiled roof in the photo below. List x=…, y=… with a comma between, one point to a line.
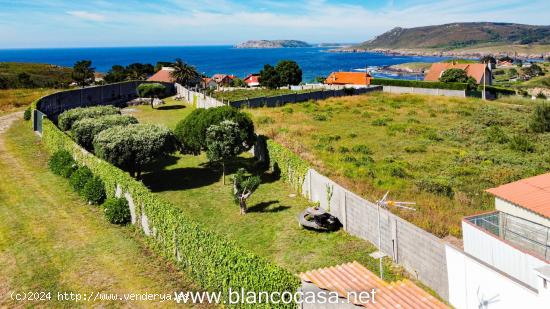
x=475, y=70
x=348, y=78
x=162, y=76
x=530, y=193
x=354, y=277
x=250, y=79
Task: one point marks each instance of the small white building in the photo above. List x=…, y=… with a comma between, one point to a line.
x=506, y=257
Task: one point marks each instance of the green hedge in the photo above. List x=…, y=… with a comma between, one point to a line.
x=293, y=169
x=418, y=84
x=498, y=90
x=213, y=261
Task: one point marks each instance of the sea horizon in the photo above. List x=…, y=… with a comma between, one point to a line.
x=211, y=59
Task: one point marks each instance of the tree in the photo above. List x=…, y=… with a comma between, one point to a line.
x=116, y=74
x=184, y=74
x=84, y=130
x=454, y=76
x=83, y=73
x=139, y=71
x=243, y=187
x=533, y=71
x=24, y=80
x=487, y=59
x=269, y=77
x=319, y=79
x=151, y=90
x=191, y=131
x=237, y=82
x=289, y=72
x=505, y=58
x=224, y=142
x=133, y=146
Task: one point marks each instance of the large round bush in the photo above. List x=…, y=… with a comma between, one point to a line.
x=94, y=191
x=79, y=178
x=62, y=163
x=117, y=211
x=84, y=130
x=191, y=131
x=135, y=145
x=67, y=118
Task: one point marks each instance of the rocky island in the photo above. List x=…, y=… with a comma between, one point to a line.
x=272, y=44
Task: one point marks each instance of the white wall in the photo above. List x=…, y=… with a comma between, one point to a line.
x=426, y=91
x=473, y=285
x=501, y=255
x=517, y=211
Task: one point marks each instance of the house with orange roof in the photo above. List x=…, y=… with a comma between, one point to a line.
x=163, y=75
x=252, y=80
x=348, y=79
x=356, y=286
x=209, y=83
x=223, y=79
x=479, y=71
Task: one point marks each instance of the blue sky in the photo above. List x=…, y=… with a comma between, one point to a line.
x=80, y=23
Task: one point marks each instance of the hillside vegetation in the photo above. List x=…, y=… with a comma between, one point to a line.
x=439, y=152
x=33, y=75
x=459, y=35
x=13, y=99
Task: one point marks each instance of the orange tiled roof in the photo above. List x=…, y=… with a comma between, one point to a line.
x=530, y=193
x=354, y=277
x=162, y=76
x=348, y=78
x=475, y=70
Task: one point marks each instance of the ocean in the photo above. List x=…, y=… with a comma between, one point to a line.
x=314, y=61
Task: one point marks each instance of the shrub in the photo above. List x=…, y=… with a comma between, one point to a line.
x=67, y=118
x=62, y=163
x=135, y=145
x=521, y=144
x=27, y=114
x=79, y=178
x=265, y=120
x=191, y=131
x=541, y=96
x=362, y=149
x=454, y=76
x=85, y=130
x=117, y=211
x=496, y=135
x=380, y=122
x=151, y=90
x=440, y=186
x=540, y=119
x=319, y=117
x=94, y=191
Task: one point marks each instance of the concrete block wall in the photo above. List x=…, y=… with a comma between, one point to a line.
x=426, y=91
x=112, y=94
x=421, y=253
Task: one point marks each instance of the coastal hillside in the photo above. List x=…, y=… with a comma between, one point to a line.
x=468, y=38
x=33, y=75
x=272, y=44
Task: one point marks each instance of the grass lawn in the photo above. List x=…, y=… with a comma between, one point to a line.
x=50, y=240
x=270, y=229
x=439, y=152
x=241, y=94
x=17, y=99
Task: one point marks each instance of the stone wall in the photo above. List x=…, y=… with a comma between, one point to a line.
x=112, y=94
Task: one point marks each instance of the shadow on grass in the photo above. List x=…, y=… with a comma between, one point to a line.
x=264, y=207
x=170, y=107
x=180, y=179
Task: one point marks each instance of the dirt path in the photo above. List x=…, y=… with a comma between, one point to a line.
x=51, y=241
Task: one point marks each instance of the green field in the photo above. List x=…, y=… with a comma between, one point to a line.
x=51, y=241
x=242, y=94
x=40, y=75
x=16, y=99
x=440, y=152
x=270, y=229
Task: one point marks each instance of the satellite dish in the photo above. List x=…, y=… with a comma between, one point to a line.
x=484, y=303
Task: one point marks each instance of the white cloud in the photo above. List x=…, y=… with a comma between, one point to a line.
x=87, y=15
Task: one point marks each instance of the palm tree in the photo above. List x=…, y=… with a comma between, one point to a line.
x=183, y=73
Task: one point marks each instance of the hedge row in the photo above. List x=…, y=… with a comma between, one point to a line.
x=499, y=90
x=214, y=262
x=293, y=169
x=418, y=84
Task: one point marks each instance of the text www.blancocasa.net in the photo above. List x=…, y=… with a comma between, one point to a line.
x=233, y=297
